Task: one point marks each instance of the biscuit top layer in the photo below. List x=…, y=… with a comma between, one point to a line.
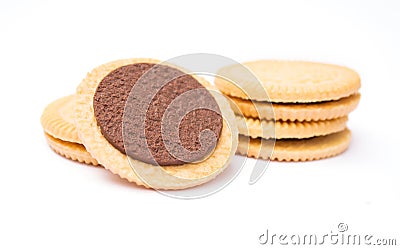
x=288, y=81
x=157, y=114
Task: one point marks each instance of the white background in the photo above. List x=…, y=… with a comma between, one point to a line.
x=47, y=47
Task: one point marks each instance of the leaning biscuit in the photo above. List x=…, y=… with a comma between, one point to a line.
x=101, y=110
x=296, y=111
x=289, y=81
x=70, y=150
x=60, y=131
x=58, y=119
x=286, y=129
x=296, y=150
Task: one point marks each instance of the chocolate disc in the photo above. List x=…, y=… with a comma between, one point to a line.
x=157, y=114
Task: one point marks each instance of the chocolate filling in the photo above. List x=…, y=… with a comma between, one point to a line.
x=168, y=119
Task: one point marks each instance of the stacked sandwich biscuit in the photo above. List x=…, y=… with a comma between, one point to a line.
x=304, y=106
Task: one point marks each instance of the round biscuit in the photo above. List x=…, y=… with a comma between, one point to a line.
x=289, y=81
x=70, y=150
x=58, y=119
x=296, y=149
x=178, y=177
x=286, y=129
x=296, y=111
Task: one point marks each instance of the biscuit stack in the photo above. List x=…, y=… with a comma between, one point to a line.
x=303, y=105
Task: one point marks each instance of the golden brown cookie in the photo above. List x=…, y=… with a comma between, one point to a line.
x=296, y=111
x=289, y=81
x=286, y=129
x=70, y=150
x=166, y=177
x=296, y=149
x=60, y=132
x=58, y=119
